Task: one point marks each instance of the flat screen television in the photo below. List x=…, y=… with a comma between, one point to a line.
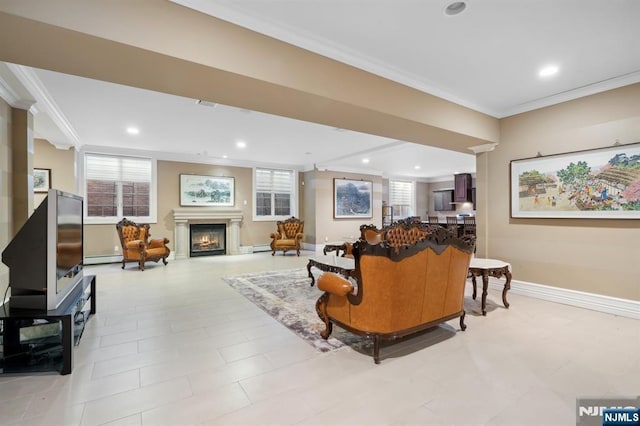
x=46, y=255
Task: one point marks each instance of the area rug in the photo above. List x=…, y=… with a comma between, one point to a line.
x=288, y=297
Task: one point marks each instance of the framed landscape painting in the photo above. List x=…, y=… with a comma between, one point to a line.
x=41, y=180
x=352, y=198
x=599, y=183
x=210, y=191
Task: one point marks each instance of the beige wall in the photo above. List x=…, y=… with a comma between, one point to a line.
x=101, y=240
x=62, y=165
x=327, y=227
x=6, y=199
x=593, y=255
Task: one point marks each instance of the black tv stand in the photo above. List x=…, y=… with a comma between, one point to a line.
x=37, y=341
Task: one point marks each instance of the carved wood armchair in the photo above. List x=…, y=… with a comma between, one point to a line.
x=138, y=247
x=288, y=237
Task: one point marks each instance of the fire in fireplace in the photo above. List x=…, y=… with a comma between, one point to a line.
x=207, y=239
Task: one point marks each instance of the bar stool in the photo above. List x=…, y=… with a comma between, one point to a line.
x=433, y=220
x=469, y=225
x=452, y=225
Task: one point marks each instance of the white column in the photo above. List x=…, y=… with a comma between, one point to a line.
x=181, y=239
x=234, y=236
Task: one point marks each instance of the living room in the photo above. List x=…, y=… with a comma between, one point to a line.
x=585, y=262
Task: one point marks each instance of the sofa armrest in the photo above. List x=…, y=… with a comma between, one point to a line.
x=299, y=236
x=334, y=284
x=275, y=235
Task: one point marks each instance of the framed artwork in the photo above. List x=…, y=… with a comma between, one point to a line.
x=210, y=191
x=598, y=183
x=352, y=198
x=41, y=180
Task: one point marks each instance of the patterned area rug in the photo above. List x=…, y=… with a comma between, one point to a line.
x=287, y=296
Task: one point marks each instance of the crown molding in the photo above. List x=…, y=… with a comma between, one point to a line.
x=569, y=95
x=13, y=99
x=32, y=83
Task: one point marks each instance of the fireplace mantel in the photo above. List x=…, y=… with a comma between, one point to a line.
x=182, y=218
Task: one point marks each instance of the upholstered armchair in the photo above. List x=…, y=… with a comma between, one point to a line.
x=138, y=247
x=288, y=237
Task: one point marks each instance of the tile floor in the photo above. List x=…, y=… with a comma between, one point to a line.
x=175, y=345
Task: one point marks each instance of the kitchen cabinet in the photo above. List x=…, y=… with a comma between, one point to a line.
x=462, y=185
x=442, y=200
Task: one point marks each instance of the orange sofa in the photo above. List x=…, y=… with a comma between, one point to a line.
x=413, y=279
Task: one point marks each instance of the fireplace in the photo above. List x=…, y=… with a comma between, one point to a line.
x=207, y=239
x=183, y=218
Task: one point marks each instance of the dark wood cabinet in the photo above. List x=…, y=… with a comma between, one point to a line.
x=442, y=200
x=463, y=184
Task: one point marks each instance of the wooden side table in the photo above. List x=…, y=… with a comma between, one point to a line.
x=329, y=247
x=486, y=268
x=327, y=263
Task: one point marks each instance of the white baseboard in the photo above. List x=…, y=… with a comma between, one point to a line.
x=261, y=247
x=597, y=302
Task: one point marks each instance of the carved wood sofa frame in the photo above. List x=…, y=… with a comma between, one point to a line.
x=401, y=242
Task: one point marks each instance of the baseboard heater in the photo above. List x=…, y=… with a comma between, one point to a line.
x=99, y=260
x=261, y=247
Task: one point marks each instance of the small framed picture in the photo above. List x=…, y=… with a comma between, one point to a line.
x=41, y=180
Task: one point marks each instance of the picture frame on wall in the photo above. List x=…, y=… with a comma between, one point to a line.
x=599, y=183
x=209, y=191
x=352, y=198
x=41, y=180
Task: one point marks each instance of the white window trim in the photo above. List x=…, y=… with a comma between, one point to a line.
x=294, y=197
x=112, y=220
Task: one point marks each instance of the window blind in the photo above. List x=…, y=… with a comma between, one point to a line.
x=119, y=169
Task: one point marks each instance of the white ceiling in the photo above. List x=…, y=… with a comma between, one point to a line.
x=486, y=58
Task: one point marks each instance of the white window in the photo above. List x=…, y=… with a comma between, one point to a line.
x=402, y=197
x=275, y=194
x=118, y=186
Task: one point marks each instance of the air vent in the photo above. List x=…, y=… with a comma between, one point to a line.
x=206, y=103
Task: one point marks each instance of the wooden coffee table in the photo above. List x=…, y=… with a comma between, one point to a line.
x=486, y=268
x=329, y=263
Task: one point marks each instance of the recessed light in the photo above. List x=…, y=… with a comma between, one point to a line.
x=455, y=8
x=224, y=155
x=365, y=160
x=133, y=130
x=548, y=71
x=241, y=144
x=416, y=167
